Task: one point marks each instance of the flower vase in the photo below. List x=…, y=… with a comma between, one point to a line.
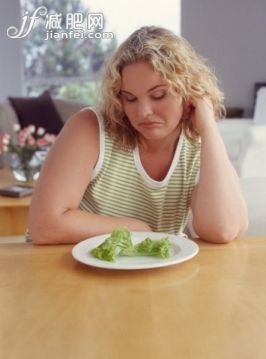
x=25, y=167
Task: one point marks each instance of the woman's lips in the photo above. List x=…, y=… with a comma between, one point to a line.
x=150, y=124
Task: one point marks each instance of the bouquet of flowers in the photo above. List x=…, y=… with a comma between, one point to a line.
x=25, y=147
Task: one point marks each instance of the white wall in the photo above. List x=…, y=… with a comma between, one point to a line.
x=232, y=35
x=118, y=12
x=11, y=64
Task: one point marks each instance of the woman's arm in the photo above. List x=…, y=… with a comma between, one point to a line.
x=54, y=216
x=218, y=206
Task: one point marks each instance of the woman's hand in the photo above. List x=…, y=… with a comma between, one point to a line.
x=134, y=224
x=201, y=115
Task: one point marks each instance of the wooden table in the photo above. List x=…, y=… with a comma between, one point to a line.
x=13, y=211
x=211, y=307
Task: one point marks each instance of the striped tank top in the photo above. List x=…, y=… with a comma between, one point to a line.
x=121, y=187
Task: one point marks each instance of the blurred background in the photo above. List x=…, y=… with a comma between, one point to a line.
x=48, y=71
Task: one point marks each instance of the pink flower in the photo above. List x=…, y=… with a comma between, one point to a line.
x=42, y=142
x=22, y=137
x=27, y=138
x=50, y=138
x=31, y=140
x=6, y=139
x=4, y=142
x=1, y=143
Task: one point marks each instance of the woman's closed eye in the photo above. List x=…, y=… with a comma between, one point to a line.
x=158, y=95
x=129, y=98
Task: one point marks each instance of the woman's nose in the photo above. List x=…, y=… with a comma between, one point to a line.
x=144, y=110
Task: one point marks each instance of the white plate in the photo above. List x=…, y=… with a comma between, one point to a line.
x=182, y=249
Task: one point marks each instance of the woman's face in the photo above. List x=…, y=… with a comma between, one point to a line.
x=151, y=108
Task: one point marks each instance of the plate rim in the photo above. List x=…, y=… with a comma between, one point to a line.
x=181, y=238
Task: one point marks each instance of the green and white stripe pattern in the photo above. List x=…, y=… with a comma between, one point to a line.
x=121, y=187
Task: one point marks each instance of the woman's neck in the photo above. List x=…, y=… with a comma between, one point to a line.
x=159, y=146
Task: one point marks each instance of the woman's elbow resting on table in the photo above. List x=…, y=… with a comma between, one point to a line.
x=220, y=233
x=39, y=239
x=220, y=223
x=45, y=229
x=42, y=234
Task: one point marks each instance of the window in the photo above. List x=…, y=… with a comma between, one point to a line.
x=56, y=59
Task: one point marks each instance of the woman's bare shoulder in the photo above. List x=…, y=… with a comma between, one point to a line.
x=81, y=131
x=77, y=145
x=85, y=119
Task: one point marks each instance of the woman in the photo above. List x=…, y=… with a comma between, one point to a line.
x=150, y=152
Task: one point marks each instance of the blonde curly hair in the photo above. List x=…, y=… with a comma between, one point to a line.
x=175, y=60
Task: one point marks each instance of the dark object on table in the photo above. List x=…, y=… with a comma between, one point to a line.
x=16, y=191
